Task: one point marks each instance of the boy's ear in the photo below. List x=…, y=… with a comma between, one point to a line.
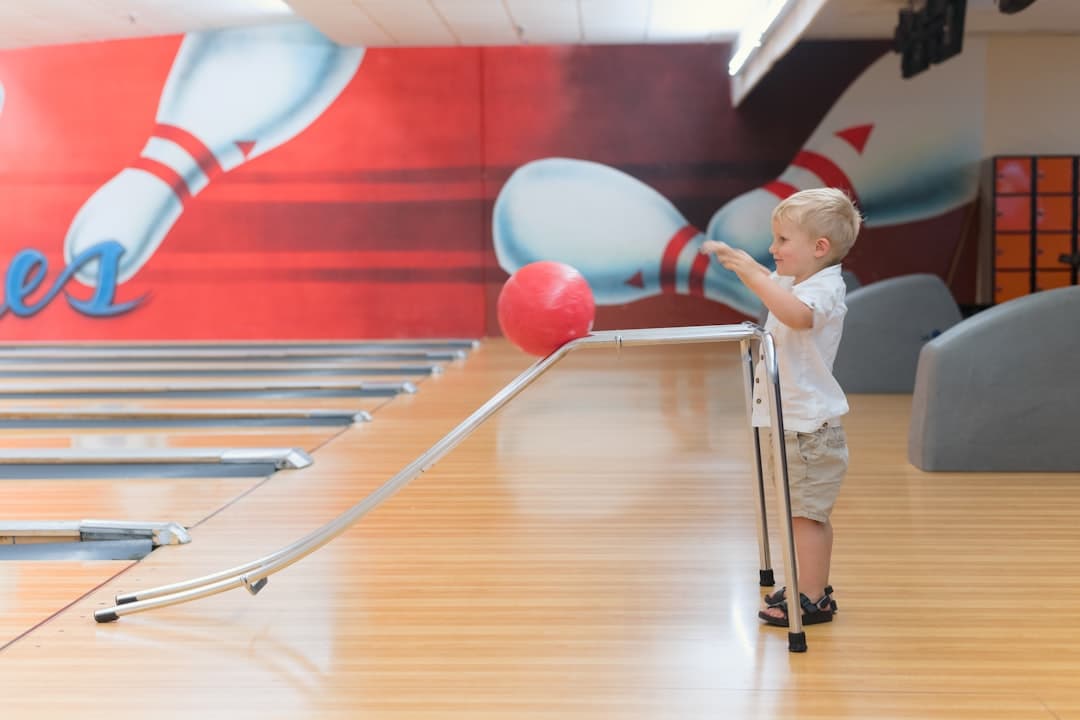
x=822, y=246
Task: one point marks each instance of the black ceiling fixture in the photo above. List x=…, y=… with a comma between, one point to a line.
x=1010, y=7
x=929, y=34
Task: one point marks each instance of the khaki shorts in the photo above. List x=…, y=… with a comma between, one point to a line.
x=817, y=463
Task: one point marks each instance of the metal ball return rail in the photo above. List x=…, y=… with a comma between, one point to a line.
x=751, y=338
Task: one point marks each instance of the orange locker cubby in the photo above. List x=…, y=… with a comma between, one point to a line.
x=1012, y=251
x=1055, y=175
x=1012, y=212
x=1053, y=212
x=1036, y=205
x=1050, y=279
x=1009, y=284
x=1049, y=247
x=1012, y=175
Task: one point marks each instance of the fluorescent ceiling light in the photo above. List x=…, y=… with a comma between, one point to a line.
x=695, y=18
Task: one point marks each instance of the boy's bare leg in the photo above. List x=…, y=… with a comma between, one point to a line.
x=813, y=550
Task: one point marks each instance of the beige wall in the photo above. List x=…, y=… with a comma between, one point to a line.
x=1032, y=107
x=1033, y=95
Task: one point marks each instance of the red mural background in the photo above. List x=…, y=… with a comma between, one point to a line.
x=375, y=220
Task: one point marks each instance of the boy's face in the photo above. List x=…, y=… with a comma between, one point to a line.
x=796, y=253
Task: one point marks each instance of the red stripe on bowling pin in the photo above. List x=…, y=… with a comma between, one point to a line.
x=830, y=173
x=166, y=174
x=670, y=260
x=825, y=169
x=193, y=146
x=780, y=189
x=697, y=275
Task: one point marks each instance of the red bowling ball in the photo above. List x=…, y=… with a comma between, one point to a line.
x=545, y=305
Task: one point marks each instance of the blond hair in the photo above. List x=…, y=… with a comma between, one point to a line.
x=823, y=212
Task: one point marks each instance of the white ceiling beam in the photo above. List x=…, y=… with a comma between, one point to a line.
x=784, y=33
x=696, y=20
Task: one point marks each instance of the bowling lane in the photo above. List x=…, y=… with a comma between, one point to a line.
x=307, y=439
x=30, y=592
x=29, y=398
x=251, y=371
x=107, y=420
x=10, y=355
x=355, y=404
x=187, y=501
x=213, y=387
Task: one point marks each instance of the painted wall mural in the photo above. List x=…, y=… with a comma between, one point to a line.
x=903, y=161
x=265, y=182
x=230, y=96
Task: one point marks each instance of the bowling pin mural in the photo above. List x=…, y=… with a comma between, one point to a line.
x=905, y=150
x=230, y=96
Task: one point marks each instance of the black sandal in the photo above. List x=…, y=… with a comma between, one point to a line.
x=777, y=598
x=814, y=613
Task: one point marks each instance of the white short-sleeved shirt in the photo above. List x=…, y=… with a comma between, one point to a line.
x=809, y=392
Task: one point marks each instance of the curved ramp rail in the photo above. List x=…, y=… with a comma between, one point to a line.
x=255, y=574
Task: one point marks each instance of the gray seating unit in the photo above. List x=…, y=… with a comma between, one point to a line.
x=1000, y=391
x=887, y=324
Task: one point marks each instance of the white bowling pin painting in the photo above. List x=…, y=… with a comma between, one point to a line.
x=230, y=96
x=906, y=150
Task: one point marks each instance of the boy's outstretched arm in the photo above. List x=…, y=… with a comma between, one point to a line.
x=781, y=302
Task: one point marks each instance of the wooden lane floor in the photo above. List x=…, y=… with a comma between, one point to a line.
x=590, y=553
x=83, y=439
x=298, y=497
x=36, y=391
x=187, y=501
x=53, y=392
x=203, y=387
x=356, y=404
x=30, y=592
x=28, y=598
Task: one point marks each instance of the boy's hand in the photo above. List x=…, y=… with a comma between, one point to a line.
x=733, y=259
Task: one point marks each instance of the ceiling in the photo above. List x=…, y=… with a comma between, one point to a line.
x=382, y=23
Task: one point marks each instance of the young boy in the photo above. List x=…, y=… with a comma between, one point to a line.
x=813, y=231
